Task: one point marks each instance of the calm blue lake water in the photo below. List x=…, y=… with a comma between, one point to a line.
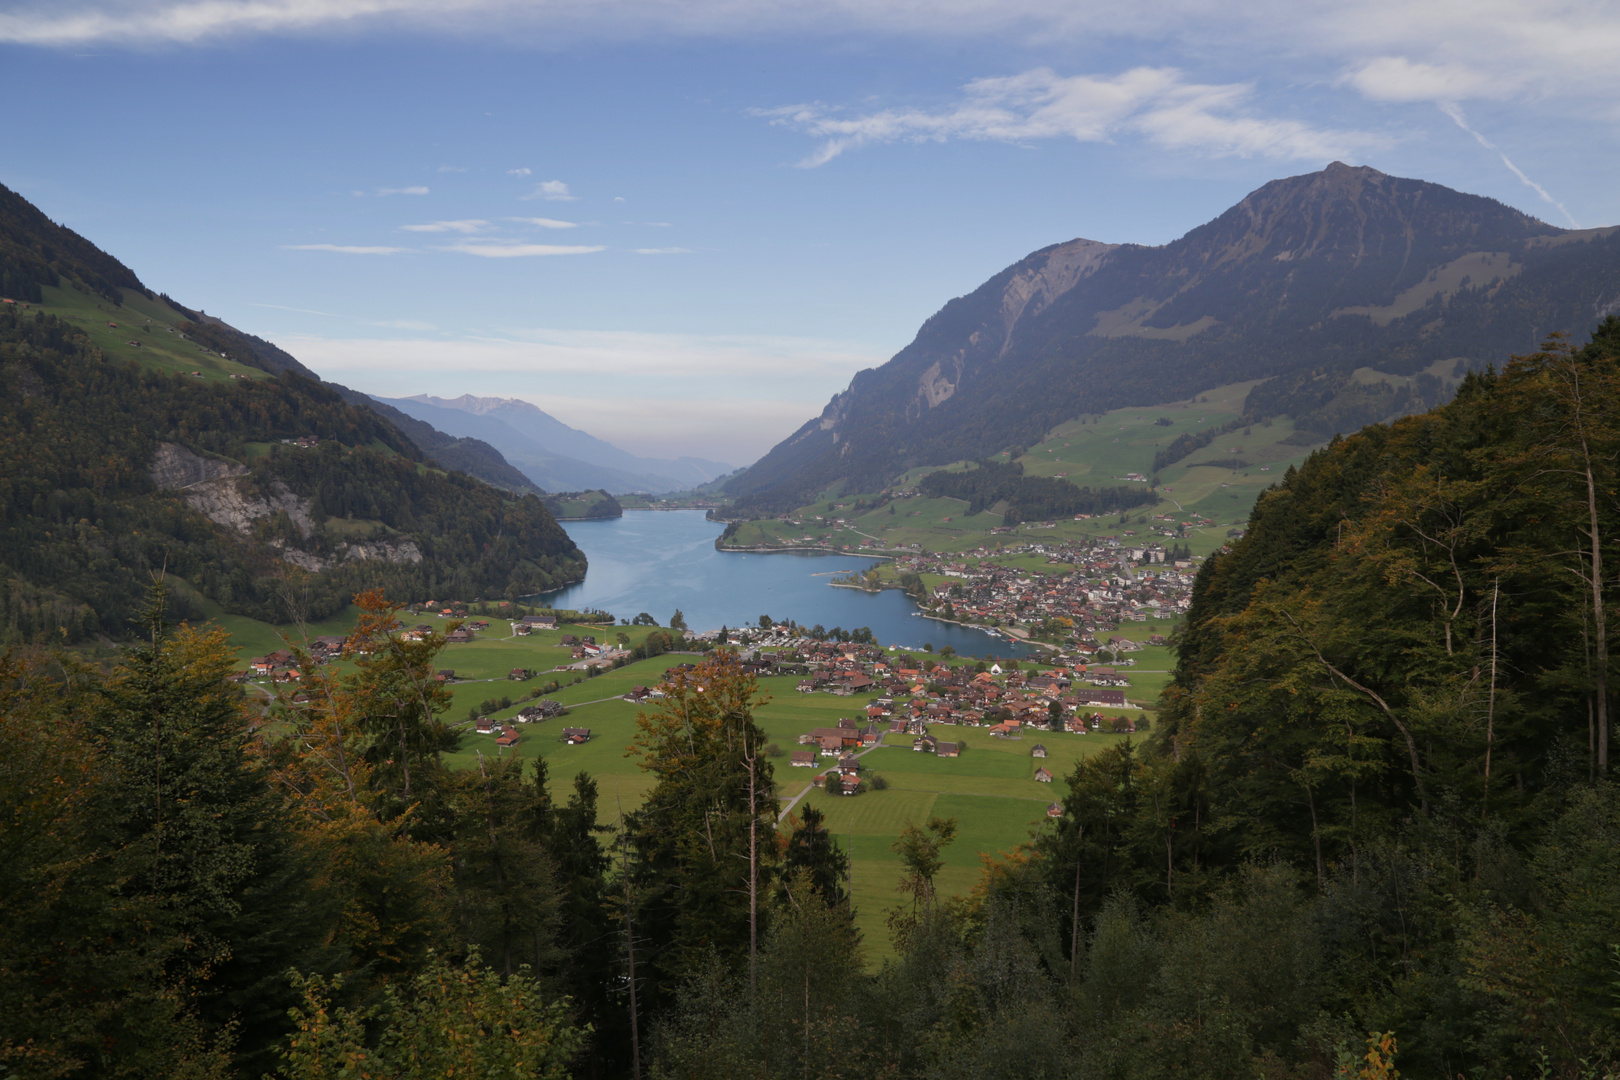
x=657, y=561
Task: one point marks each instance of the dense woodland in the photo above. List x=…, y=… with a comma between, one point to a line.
x=1029, y=498
x=82, y=526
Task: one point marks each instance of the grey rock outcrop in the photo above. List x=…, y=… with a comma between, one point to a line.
x=217, y=490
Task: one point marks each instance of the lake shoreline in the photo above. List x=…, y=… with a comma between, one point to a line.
x=663, y=562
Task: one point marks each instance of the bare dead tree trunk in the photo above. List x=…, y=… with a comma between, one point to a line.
x=1490, y=708
x=753, y=873
x=807, y=1022
x=500, y=872
x=1377, y=699
x=1594, y=571
x=1074, y=929
x=1599, y=624
x=629, y=946
x=1316, y=839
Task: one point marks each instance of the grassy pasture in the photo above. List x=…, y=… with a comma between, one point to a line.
x=148, y=321
x=990, y=789
x=1095, y=450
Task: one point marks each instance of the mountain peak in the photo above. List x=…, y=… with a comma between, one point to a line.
x=469, y=403
x=1341, y=268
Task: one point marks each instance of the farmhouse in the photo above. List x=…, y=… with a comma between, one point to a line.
x=574, y=736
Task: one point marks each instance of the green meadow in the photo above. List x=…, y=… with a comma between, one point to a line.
x=1095, y=450
x=990, y=789
x=150, y=322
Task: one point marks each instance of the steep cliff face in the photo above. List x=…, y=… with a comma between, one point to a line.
x=221, y=492
x=1341, y=268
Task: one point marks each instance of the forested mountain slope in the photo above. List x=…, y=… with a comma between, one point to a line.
x=1329, y=272
x=110, y=473
x=47, y=265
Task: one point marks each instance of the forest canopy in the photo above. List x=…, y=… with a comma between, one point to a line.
x=1029, y=498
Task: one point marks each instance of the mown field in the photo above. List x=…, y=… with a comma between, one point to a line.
x=991, y=789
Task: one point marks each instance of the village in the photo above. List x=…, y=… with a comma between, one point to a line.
x=1090, y=591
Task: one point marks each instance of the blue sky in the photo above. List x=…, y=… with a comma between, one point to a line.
x=683, y=224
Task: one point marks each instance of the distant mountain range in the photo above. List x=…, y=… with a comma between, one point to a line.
x=552, y=454
x=1311, y=275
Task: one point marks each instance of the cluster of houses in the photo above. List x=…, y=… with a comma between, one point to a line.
x=910, y=697
x=1099, y=588
x=282, y=666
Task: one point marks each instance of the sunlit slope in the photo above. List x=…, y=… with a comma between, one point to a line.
x=144, y=330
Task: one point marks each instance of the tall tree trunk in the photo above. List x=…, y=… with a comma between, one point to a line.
x=1074, y=928
x=500, y=872
x=630, y=948
x=1490, y=709
x=1599, y=626
x=753, y=875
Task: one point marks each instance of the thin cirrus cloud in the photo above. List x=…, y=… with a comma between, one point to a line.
x=545, y=222
x=383, y=192
x=552, y=191
x=1559, y=48
x=520, y=172
x=346, y=249
x=465, y=225
x=506, y=249
x=1155, y=103
x=664, y=251
x=1398, y=79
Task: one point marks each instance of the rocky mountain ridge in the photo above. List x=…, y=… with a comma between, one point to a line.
x=1330, y=271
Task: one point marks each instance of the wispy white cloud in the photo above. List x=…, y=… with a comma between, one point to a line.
x=413, y=190
x=452, y=168
x=1554, y=48
x=546, y=222
x=1395, y=78
x=413, y=325
x=664, y=251
x=506, y=249
x=551, y=190
x=1159, y=104
x=346, y=249
x=520, y=172
x=1453, y=110
x=466, y=225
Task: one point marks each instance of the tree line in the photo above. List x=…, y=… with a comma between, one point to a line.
x=1029, y=498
